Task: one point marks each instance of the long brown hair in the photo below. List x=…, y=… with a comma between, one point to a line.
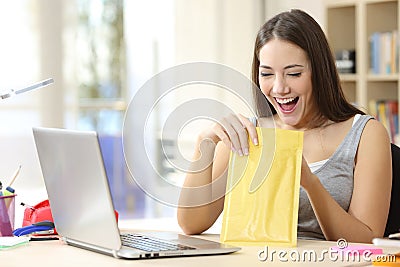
x=301, y=29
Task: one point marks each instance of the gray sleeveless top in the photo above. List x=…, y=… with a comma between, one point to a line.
x=336, y=176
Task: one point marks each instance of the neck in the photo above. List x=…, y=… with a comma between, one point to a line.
x=316, y=122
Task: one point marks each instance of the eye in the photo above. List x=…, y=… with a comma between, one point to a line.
x=264, y=74
x=296, y=74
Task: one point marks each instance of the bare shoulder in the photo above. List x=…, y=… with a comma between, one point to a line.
x=375, y=132
x=374, y=141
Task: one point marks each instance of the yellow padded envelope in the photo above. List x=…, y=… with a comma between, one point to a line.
x=262, y=199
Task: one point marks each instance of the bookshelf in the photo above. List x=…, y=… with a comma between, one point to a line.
x=350, y=25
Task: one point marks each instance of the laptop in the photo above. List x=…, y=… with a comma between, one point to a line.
x=82, y=208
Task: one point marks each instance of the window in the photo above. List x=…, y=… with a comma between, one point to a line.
x=107, y=37
x=100, y=65
x=19, y=66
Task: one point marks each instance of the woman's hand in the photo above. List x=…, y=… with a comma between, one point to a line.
x=307, y=177
x=233, y=130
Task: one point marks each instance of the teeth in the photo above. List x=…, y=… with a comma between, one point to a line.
x=285, y=100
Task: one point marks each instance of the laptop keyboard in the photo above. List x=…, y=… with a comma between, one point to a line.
x=150, y=244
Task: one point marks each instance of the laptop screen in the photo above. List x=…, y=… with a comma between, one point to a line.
x=77, y=186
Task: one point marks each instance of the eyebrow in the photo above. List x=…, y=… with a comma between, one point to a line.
x=286, y=67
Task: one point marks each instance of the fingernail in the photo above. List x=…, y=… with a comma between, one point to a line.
x=240, y=152
x=255, y=141
x=246, y=151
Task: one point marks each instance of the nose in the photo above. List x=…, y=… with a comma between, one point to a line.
x=280, y=86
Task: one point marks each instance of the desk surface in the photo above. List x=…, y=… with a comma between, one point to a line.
x=56, y=253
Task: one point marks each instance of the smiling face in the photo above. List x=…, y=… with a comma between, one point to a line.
x=285, y=79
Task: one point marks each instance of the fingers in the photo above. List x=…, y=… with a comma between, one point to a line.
x=237, y=128
x=250, y=127
x=237, y=134
x=233, y=131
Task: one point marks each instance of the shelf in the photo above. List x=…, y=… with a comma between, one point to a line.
x=340, y=3
x=379, y=1
x=349, y=25
x=344, y=77
x=382, y=77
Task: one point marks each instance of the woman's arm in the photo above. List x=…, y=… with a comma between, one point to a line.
x=370, y=201
x=194, y=219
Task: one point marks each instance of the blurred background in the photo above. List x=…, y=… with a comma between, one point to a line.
x=99, y=53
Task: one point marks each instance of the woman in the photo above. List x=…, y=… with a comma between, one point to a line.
x=346, y=167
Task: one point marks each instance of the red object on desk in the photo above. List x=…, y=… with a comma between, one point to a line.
x=38, y=213
x=42, y=212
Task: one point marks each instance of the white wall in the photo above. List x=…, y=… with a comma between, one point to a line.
x=316, y=8
x=224, y=31
x=220, y=31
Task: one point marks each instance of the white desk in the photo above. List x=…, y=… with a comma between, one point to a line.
x=55, y=253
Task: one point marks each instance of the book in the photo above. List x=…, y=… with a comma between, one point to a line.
x=7, y=242
x=387, y=112
x=386, y=242
x=383, y=50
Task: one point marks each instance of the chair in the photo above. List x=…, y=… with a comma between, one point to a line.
x=393, y=222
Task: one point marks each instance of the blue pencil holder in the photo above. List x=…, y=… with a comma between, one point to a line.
x=7, y=215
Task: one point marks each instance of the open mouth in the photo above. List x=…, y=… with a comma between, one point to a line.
x=287, y=104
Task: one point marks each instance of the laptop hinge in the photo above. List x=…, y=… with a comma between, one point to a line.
x=91, y=247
